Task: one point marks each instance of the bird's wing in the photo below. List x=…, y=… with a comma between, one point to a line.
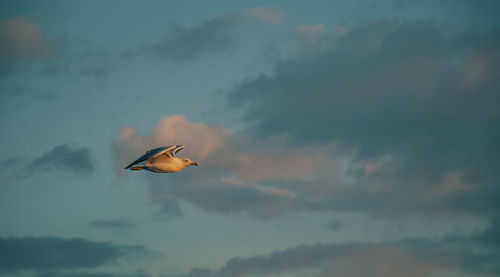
x=164, y=158
x=176, y=149
x=152, y=154
x=167, y=155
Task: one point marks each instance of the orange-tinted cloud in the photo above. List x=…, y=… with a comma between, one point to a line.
x=235, y=172
x=210, y=144
x=342, y=260
x=270, y=14
x=384, y=261
x=281, y=165
x=21, y=40
x=200, y=140
x=309, y=34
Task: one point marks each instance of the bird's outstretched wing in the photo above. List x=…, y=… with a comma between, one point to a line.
x=176, y=149
x=166, y=156
x=152, y=153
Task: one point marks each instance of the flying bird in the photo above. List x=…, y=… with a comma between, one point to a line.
x=162, y=160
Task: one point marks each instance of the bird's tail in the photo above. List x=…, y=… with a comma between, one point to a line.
x=137, y=167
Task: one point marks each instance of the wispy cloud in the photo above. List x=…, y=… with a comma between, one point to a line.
x=53, y=253
x=23, y=41
x=184, y=43
x=310, y=35
x=116, y=224
x=138, y=273
x=64, y=157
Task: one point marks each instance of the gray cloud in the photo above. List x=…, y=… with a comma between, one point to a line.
x=414, y=103
x=184, y=43
x=52, y=253
x=214, y=195
x=334, y=224
x=400, y=111
x=76, y=60
x=10, y=163
x=138, y=273
x=117, y=224
x=376, y=88
x=64, y=157
x=410, y=257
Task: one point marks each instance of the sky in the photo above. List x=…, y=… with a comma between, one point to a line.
x=335, y=138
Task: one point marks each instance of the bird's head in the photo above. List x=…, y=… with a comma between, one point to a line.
x=188, y=162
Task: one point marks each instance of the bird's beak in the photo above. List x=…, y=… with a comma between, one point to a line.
x=194, y=163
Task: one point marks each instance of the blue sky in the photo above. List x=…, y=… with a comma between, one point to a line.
x=335, y=138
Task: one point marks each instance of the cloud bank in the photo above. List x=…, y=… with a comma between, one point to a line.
x=409, y=257
x=412, y=101
x=52, y=253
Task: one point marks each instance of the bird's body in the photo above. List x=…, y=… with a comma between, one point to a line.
x=162, y=160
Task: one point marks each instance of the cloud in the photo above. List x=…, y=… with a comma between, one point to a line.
x=384, y=261
x=411, y=257
x=310, y=35
x=117, y=224
x=235, y=174
x=50, y=76
x=334, y=224
x=175, y=130
x=410, y=101
x=64, y=157
x=364, y=123
x=138, y=273
x=52, y=253
x=221, y=148
x=370, y=75
x=350, y=259
x=22, y=41
x=184, y=43
x=271, y=14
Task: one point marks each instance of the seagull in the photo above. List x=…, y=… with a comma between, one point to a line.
x=162, y=160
